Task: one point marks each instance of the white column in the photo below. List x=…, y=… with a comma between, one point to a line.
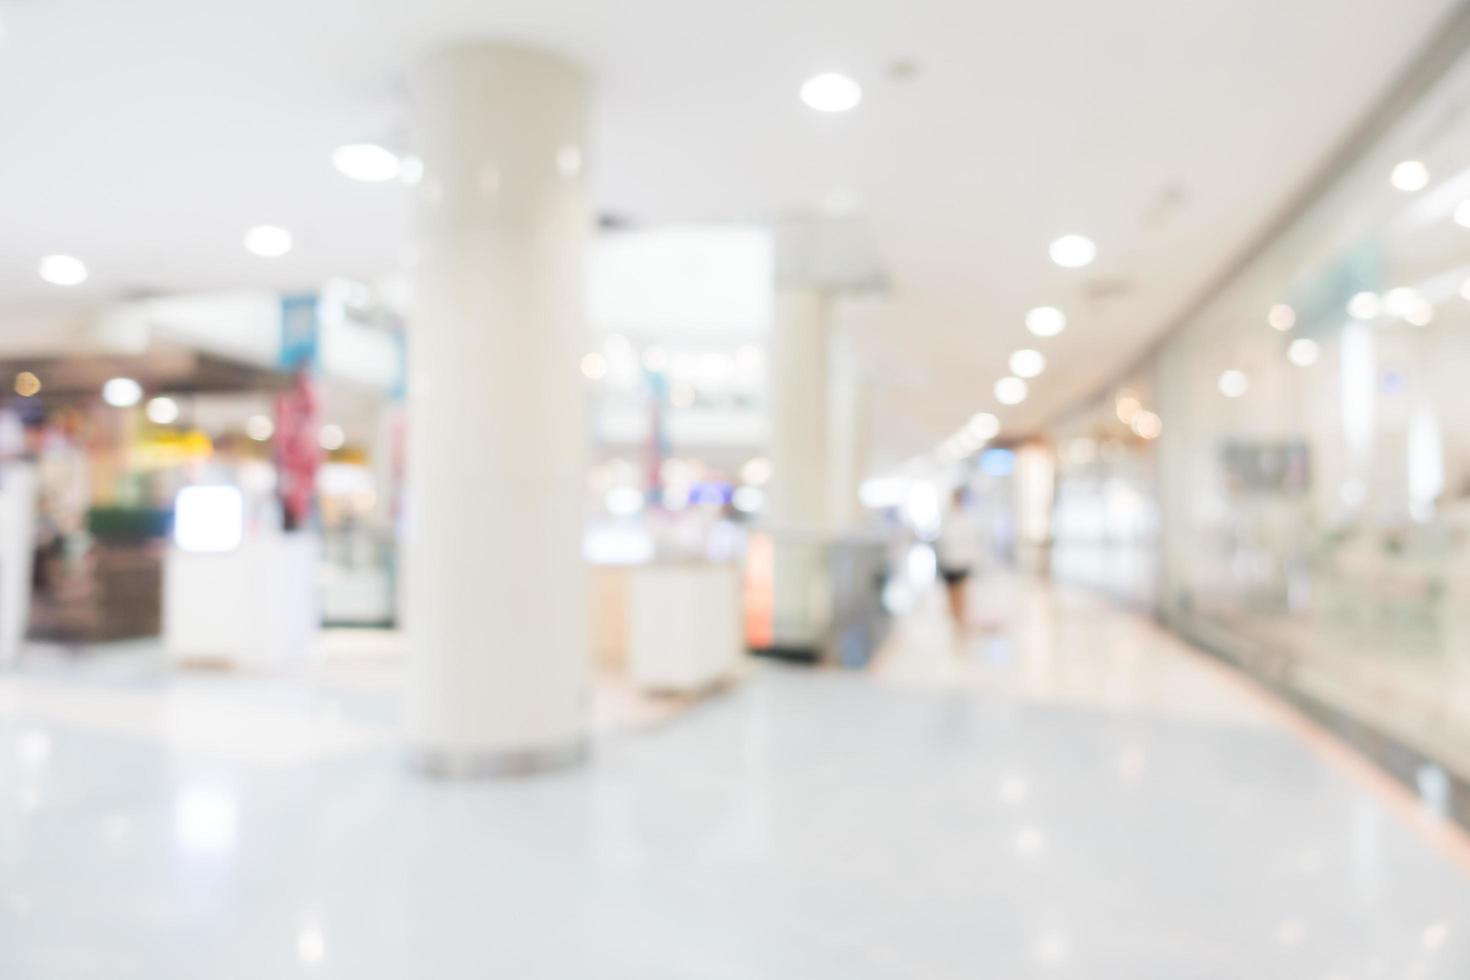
x=496, y=604
x=849, y=427
x=799, y=495
x=19, y=485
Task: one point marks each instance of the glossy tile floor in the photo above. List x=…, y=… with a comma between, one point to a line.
x=1068, y=793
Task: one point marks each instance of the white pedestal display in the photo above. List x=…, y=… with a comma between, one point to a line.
x=684, y=626
x=255, y=607
x=17, y=552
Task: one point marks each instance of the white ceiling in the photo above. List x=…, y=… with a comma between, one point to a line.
x=145, y=136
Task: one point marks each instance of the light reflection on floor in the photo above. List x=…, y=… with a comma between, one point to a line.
x=1064, y=792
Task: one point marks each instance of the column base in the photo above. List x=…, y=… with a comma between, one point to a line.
x=442, y=763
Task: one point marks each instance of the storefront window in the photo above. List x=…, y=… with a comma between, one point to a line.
x=1315, y=463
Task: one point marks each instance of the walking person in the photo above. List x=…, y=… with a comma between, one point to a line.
x=958, y=552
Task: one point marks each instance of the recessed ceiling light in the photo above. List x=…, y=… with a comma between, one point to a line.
x=1410, y=176
x=1010, y=391
x=367, y=162
x=162, y=411
x=1364, y=306
x=311, y=946
x=1281, y=317
x=831, y=92
x=1233, y=383
x=1046, y=321
x=757, y=471
x=122, y=392
x=1073, y=251
x=63, y=270
x=268, y=241
x=1303, y=352
x=1462, y=214
x=260, y=427
x=1147, y=425
x=984, y=426
x=594, y=366
x=1401, y=301
x=27, y=384
x=1027, y=363
x=1421, y=314
x=331, y=437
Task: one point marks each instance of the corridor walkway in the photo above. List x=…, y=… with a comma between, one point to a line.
x=1069, y=793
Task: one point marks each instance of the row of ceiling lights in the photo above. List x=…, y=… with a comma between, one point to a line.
x=1025, y=364
x=829, y=92
x=266, y=241
x=123, y=392
x=363, y=162
x=832, y=92
x=1076, y=251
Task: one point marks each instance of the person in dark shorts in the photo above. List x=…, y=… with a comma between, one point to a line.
x=958, y=552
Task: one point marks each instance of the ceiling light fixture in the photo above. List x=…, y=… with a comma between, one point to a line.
x=1400, y=301
x=1046, y=321
x=594, y=366
x=1147, y=425
x=1303, y=352
x=1421, y=314
x=1462, y=214
x=63, y=270
x=1073, y=251
x=1027, y=363
x=268, y=241
x=366, y=162
x=831, y=92
x=757, y=471
x=984, y=426
x=331, y=437
x=1233, y=383
x=1410, y=176
x=122, y=392
x=1281, y=317
x=260, y=427
x=1364, y=306
x=163, y=411
x=1010, y=391
x=27, y=385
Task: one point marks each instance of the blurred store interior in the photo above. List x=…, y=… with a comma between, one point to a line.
x=735, y=490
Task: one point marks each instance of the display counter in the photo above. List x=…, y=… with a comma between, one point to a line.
x=252, y=607
x=684, y=625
